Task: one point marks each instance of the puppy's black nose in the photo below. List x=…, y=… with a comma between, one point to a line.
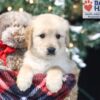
x=51, y=51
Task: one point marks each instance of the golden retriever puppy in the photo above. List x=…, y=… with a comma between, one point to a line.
x=47, y=37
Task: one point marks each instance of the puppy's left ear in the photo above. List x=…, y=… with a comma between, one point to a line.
x=67, y=38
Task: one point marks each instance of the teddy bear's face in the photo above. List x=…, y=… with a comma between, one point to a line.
x=13, y=36
x=12, y=25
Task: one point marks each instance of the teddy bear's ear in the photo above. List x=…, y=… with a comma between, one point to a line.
x=28, y=36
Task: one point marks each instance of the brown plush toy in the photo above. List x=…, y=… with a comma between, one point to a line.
x=12, y=26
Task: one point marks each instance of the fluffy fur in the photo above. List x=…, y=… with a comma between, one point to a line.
x=12, y=26
x=37, y=60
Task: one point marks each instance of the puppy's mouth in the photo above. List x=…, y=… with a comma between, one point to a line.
x=51, y=54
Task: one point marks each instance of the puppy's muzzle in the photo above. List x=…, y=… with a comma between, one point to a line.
x=51, y=51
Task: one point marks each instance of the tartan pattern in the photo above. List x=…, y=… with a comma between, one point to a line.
x=38, y=90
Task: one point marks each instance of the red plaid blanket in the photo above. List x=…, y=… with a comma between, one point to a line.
x=38, y=90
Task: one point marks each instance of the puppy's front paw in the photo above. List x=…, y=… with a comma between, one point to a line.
x=53, y=85
x=23, y=84
x=24, y=78
x=54, y=80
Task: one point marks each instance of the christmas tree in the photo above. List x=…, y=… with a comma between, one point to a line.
x=83, y=33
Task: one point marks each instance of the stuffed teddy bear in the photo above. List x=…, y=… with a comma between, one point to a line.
x=12, y=25
x=12, y=45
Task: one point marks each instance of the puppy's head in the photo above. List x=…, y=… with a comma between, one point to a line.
x=47, y=36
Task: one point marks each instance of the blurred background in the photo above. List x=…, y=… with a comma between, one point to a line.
x=84, y=38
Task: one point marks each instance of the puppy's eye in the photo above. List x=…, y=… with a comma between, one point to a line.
x=58, y=36
x=42, y=35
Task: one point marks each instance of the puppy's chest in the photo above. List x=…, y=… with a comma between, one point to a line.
x=43, y=66
x=40, y=66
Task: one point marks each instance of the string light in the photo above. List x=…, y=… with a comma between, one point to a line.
x=71, y=45
x=9, y=8
x=75, y=6
x=21, y=9
x=49, y=8
x=31, y=1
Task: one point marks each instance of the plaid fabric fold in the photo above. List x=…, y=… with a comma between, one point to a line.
x=37, y=91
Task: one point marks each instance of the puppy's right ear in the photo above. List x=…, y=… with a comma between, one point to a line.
x=28, y=36
x=67, y=39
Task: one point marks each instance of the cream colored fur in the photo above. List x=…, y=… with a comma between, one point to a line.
x=36, y=59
